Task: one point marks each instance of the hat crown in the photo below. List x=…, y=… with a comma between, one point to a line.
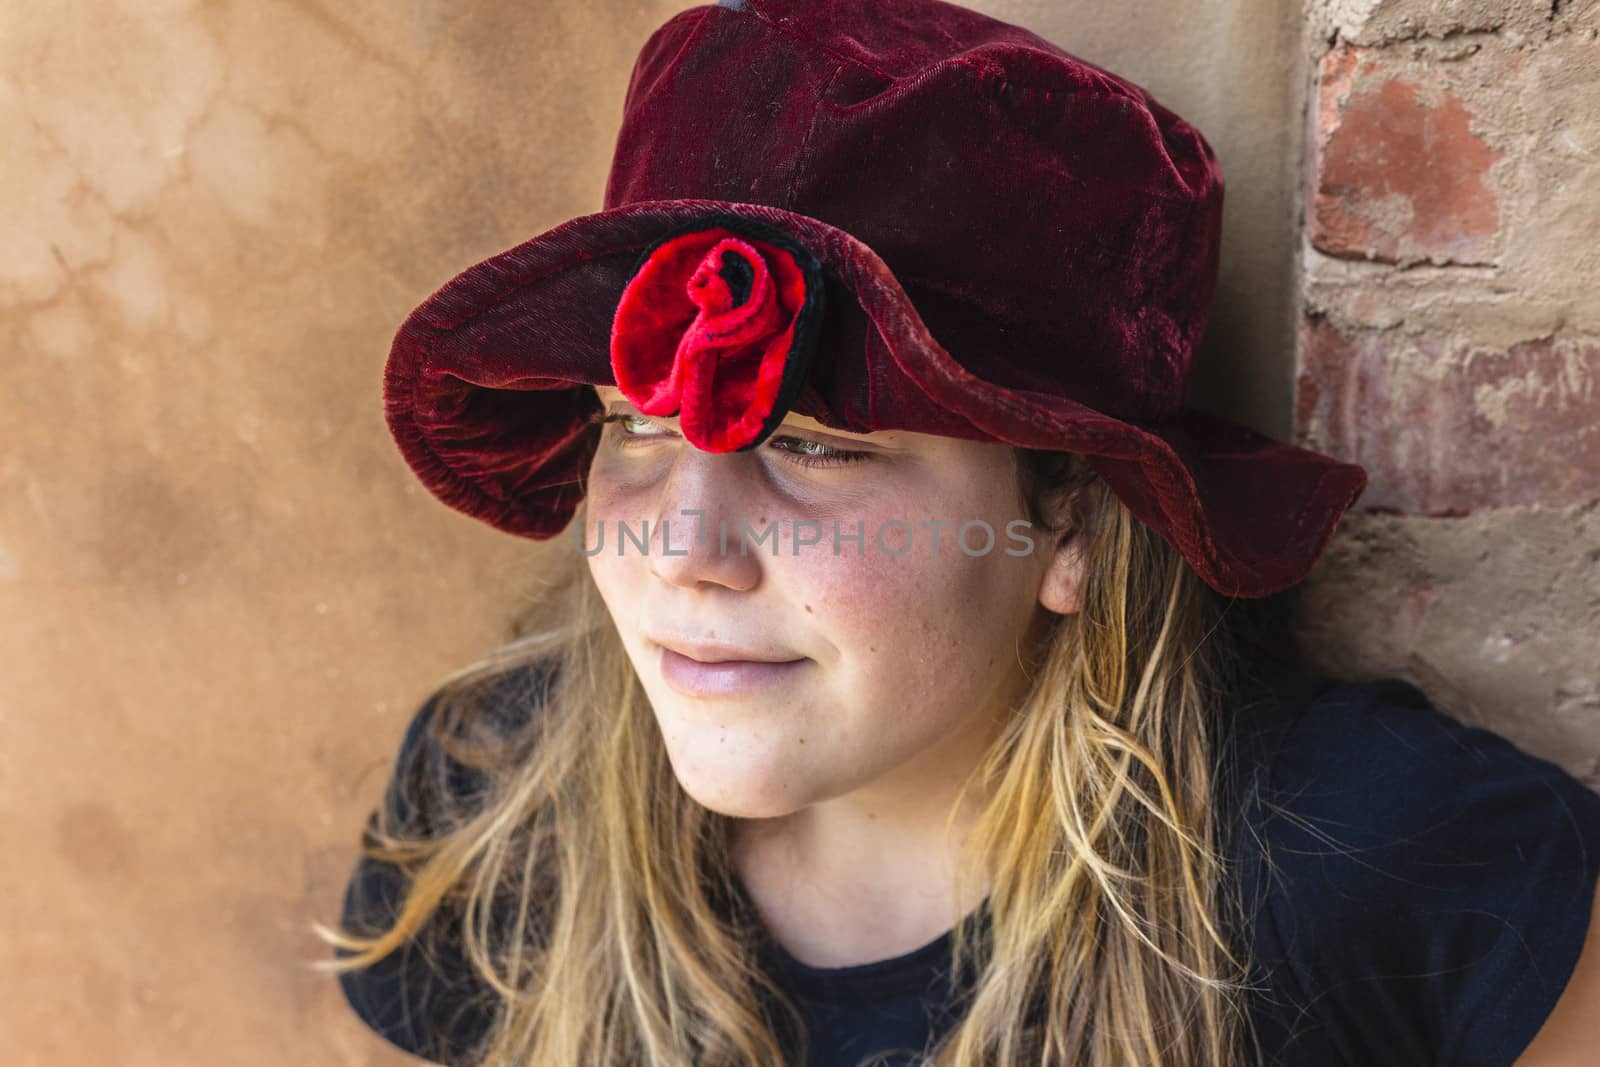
x=974, y=234
x=1056, y=227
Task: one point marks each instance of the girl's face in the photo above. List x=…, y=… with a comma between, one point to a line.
x=886, y=660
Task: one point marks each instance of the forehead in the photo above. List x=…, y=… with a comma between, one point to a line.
x=611, y=395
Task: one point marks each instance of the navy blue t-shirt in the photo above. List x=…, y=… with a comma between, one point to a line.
x=1419, y=892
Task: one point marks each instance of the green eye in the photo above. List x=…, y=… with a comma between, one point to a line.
x=634, y=423
x=801, y=451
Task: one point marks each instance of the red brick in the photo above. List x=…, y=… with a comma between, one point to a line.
x=1399, y=173
x=1447, y=427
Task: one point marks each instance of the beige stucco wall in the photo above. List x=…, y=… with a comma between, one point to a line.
x=221, y=593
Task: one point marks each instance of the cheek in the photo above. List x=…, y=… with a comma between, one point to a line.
x=920, y=630
x=608, y=493
x=606, y=507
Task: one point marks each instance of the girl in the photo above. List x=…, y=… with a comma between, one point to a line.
x=903, y=689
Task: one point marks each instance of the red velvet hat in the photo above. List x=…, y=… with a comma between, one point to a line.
x=899, y=215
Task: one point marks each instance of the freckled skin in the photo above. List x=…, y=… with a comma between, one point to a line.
x=848, y=768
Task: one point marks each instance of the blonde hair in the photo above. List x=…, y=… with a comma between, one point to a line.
x=589, y=890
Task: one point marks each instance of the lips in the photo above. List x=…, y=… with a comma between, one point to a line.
x=722, y=652
x=742, y=680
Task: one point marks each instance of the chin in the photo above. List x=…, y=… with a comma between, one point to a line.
x=736, y=805
x=739, y=811
x=736, y=798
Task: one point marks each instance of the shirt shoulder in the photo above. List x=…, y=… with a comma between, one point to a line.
x=1422, y=888
x=434, y=777
x=426, y=998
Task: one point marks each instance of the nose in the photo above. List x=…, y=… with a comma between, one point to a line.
x=695, y=540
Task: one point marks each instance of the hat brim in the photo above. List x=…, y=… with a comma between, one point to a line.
x=487, y=394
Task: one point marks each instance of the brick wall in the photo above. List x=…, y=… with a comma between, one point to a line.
x=1449, y=340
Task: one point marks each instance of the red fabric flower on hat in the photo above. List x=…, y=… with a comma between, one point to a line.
x=717, y=326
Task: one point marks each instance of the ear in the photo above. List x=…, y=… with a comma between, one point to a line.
x=1061, y=587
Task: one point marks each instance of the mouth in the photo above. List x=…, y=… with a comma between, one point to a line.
x=720, y=652
x=725, y=678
